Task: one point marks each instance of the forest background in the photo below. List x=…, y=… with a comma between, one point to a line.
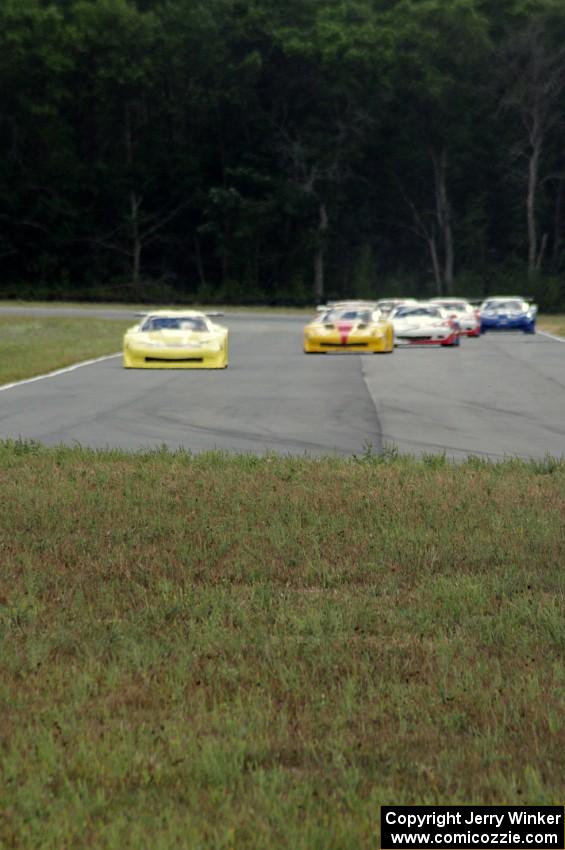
x=253, y=151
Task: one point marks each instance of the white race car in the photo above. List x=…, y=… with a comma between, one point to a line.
x=387, y=305
x=424, y=323
x=460, y=309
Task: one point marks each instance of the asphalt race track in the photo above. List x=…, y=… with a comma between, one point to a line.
x=501, y=395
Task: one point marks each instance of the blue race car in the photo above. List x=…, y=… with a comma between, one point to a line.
x=508, y=313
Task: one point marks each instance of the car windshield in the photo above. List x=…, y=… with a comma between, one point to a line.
x=504, y=306
x=409, y=312
x=347, y=316
x=174, y=323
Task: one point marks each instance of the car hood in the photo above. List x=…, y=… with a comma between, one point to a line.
x=345, y=325
x=417, y=321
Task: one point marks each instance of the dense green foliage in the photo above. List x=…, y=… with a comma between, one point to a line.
x=251, y=150
x=213, y=652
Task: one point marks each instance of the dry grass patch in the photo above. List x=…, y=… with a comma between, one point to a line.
x=552, y=324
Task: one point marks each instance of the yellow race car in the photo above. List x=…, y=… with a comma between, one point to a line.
x=349, y=326
x=176, y=339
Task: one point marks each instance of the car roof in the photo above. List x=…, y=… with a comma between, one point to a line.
x=347, y=305
x=505, y=298
x=440, y=300
x=421, y=304
x=175, y=313
x=397, y=301
x=332, y=305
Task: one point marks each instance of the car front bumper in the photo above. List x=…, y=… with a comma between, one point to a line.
x=469, y=329
x=151, y=357
x=315, y=344
x=426, y=336
x=522, y=323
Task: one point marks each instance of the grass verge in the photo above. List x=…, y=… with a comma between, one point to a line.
x=552, y=324
x=33, y=346
x=96, y=305
x=217, y=652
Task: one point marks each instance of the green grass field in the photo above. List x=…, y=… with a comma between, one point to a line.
x=34, y=346
x=234, y=652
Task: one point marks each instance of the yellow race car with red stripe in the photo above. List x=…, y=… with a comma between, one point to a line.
x=349, y=326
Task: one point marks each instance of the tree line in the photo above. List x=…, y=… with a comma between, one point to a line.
x=258, y=151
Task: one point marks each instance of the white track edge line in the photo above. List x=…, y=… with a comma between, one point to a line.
x=552, y=336
x=59, y=371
